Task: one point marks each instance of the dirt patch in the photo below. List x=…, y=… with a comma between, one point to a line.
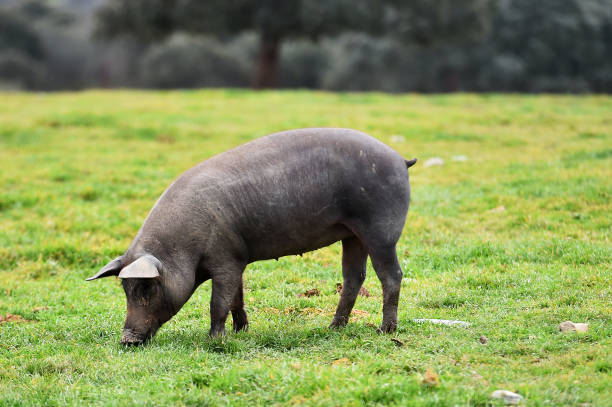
x=357, y=313
x=295, y=311
x=271, y=310
x=362, y=291
x=164, y=138
x=397, y=342
x=12, y=318
x=314, y=311
x=310, y=293
x=431, y=379
x=342, y=362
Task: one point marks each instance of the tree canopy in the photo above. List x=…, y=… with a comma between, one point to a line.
x=277, y=20
x=390, y=45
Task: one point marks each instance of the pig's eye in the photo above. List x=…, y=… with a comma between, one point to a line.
x=141, y=291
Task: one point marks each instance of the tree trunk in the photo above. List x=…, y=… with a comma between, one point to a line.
x=266, y=75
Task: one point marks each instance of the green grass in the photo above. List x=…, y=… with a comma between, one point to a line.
x=81, y=170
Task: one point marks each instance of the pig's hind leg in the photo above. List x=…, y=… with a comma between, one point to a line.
x=226, y=283
x=354, y=257
x=386, y=265
x=379, y=239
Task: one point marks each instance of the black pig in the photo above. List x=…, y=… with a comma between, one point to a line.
x=283, y=194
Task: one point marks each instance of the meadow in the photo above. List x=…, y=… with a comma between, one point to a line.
x=512, y=234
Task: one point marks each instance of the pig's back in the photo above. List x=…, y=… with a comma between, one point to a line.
x=305, y=152
x=293, y=191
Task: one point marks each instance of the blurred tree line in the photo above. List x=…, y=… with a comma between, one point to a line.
x=388, y=45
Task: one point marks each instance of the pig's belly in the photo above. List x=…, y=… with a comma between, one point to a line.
x=274, y=245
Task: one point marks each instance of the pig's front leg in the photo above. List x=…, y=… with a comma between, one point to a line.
x=226, y=282
x=239, y=316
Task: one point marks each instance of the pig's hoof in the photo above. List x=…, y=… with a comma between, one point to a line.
x=217, y=333
x=338, y=322
x=387, y=327
x=241, y=326
x=244, y=327
x=240, y=320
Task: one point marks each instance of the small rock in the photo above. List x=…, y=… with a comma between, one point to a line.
x=397, y=138
x=500, y=208
x=569, y=326
x=483, y=339
x=443, y=322
x=460, y=158
x=580, y=327
x=434, y=161
x=508, y=396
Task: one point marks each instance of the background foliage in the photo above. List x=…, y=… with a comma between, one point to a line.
x=395, y=46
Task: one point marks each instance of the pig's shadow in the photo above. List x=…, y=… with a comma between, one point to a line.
x=281, y=339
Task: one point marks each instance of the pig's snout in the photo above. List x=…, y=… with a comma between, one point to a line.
x=130, y=338
x=133, y=338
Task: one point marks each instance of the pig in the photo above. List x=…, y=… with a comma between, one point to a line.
x=283, y=194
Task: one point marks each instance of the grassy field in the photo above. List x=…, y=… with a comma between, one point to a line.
x=514, y=240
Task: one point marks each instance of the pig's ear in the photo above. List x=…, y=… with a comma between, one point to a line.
x=111, y=269
x=144, y=267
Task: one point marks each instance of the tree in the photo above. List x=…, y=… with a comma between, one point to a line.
x=17, y=35
x=277, y=20
x=559, y=45
x=189, y=61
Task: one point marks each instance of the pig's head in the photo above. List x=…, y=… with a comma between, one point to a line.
x=150, y=302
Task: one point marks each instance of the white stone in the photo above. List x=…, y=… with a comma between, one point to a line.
x=580, y=327
x=508, y=396
x=569, y=326
x=443, y=322
x=434, y=161
x=397, y=138
x=500, y=208
x=460, y=158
